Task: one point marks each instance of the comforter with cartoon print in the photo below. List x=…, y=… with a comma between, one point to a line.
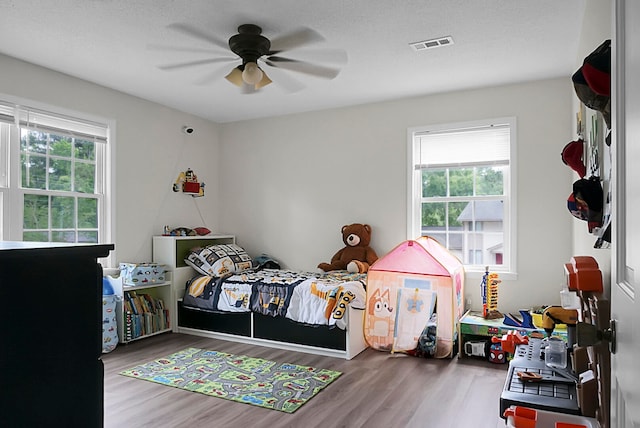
x=305, y=297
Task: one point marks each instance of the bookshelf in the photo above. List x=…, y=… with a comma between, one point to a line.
x=171, y=252
x=144, y=311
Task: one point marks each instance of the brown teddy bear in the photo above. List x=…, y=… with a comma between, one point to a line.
x=357, y=256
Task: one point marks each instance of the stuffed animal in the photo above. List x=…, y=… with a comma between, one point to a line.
x=356, y=256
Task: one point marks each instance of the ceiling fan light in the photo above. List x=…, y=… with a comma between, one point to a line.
x=252, y=73
x=263, y=82
x=235, y=76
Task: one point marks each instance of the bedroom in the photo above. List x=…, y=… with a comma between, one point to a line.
x=279, y=191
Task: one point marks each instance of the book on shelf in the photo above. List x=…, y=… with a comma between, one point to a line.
x=128, y=328
x=137, y=302
x=138, y=329
x=129, y=298
x=143, y=315
x=150, y=303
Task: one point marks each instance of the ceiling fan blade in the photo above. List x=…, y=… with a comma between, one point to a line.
x=286, y=82
x=213, y=76
x=179, y=65
x=198, y=34
x=167, y=48
x=334, y=56
x=295, y=39
x=302, y=67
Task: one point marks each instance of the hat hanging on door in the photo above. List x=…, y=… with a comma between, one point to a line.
x=592, y=81
x=590, y=98
x=572, y=155
x=597, y=69
x=587, y=193
x=577, y=209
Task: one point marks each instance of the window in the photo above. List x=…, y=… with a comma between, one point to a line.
x=460, y=190
x=53, y=186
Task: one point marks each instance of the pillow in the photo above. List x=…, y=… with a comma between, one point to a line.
x=218, y=260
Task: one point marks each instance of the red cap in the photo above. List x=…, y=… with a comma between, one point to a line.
x=572, y=156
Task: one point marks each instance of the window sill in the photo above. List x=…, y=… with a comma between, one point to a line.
x=478, y=274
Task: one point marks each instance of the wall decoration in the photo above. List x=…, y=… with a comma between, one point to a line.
x=187, y=182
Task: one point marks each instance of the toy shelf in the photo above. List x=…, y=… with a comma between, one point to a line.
x=144, y=311
x=473, y=326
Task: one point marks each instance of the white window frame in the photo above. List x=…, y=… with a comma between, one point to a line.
x=414, y=192
x=12, y=194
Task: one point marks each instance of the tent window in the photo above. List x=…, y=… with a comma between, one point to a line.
x=460, y=184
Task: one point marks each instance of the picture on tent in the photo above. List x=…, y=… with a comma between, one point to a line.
x=415, y=307
x=379, y=318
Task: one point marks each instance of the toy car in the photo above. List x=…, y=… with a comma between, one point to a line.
x=475, y=348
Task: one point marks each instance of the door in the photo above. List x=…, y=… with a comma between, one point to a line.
x=625, y=287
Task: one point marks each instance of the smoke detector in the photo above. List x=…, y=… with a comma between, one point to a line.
x=431, y=43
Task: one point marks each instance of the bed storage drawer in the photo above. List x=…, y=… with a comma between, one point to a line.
x=230, y=323
x=285, y=330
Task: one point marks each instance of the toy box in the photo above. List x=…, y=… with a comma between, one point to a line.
x=525, y=417
x=142, y=273
x=583, y=274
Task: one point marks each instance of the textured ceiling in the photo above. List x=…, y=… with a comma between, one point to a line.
x=121, y=43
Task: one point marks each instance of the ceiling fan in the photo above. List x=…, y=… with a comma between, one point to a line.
x=257, y=53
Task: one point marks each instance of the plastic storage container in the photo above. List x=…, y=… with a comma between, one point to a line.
x=109, y=319
x=555, y=353
x=142, y=273
x=569, y=299
x=525, y=417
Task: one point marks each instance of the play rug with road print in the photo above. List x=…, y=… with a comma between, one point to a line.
x=285, y=387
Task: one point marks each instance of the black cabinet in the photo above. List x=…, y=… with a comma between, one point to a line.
x=51, y=373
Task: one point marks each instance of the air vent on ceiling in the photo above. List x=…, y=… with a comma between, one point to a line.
x=432, y=43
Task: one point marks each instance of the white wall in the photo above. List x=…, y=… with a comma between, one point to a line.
x=286, y=185
x=150, y=152
x=289, y=183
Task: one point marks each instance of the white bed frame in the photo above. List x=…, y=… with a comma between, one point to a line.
x=355, y=342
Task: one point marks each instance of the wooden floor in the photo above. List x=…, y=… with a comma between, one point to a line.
x=376, y=389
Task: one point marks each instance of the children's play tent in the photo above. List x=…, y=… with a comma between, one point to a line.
x=401, y=289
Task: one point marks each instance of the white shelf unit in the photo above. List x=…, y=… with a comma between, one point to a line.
x=171, y=252
x=157, y=291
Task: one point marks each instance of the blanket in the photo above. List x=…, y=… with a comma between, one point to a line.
x=306, y=297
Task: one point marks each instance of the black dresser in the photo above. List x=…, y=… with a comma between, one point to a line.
x=51, y=372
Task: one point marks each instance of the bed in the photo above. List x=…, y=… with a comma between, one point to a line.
x=232, y=299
